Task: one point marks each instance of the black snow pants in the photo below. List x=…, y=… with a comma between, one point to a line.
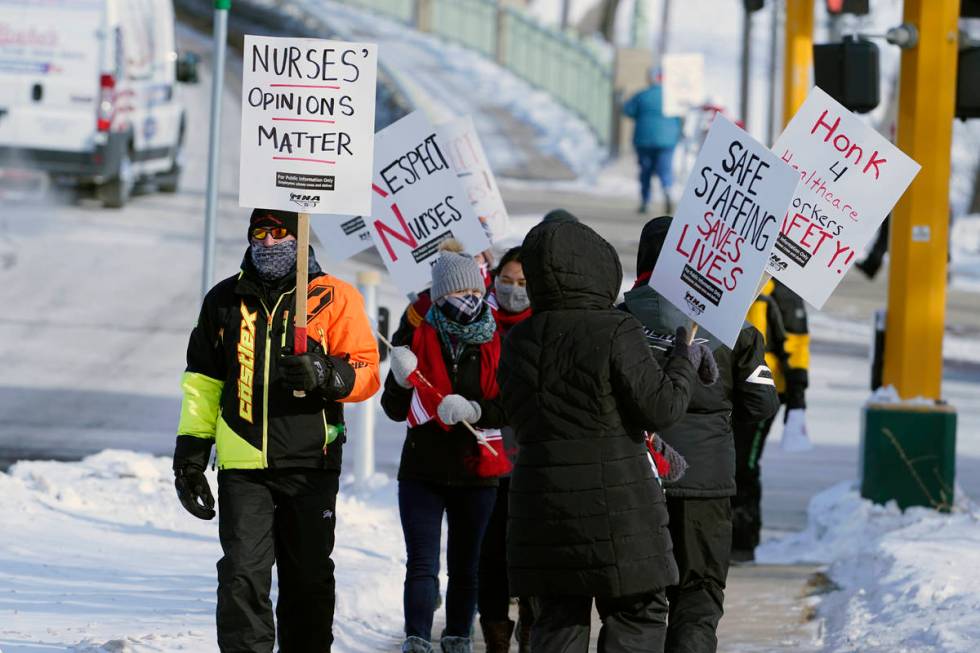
x=493, y=600
x=702, y=533
x=630, y=624
x=282, y=516
x=750, y=440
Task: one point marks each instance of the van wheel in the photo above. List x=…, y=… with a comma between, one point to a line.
x=167, y=182
x=115, y=192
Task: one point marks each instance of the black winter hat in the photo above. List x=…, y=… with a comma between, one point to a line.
x=651, y=242
x=273, y=218
x=559, y=216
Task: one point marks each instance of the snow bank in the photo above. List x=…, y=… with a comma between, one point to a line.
x=907, y=581
x=99, y=556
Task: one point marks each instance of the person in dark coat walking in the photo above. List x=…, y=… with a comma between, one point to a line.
x=579, y=386
x=699, y=503
x=456, y=349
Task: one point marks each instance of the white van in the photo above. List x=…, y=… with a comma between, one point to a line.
x=87, y=91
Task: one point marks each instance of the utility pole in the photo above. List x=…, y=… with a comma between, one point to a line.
x=664, y=31
x=773, y=71
x=797, y=56
x=746, y=67
x=221, y=9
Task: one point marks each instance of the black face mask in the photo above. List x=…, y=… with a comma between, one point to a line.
x=461, y=310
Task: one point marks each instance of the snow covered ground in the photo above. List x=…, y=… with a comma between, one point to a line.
x=99, y=557
x=904, y=581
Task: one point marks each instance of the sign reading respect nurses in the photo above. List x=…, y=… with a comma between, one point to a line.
x=725, y=227
x=307, y=125
x=418, y=202
x=851, y=177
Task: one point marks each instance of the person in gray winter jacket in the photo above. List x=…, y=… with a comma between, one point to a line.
x=699, y=503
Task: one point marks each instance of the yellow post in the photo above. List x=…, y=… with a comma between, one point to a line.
x=798, y=57
x=920, y=221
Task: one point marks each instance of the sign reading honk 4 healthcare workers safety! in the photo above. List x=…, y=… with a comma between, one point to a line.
x=418, y=202
x=307, y=125
x=851, y=177
x=725, y=226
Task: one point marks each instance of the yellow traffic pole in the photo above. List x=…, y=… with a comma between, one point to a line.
x=798, y=56
x=909, y=450
x=920, y=222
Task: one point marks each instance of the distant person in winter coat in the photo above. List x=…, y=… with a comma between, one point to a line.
x=780, y=315
x=699, y=503
x=511, y=307
x=654, y=137
x=443, y=470
x=579, y=384
x=278, y=455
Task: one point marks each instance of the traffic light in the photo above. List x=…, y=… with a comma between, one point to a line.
x=857, y=7
x=968, y=84
x=849, y=73
x=969, y=8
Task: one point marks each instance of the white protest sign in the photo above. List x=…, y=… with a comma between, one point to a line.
x=725, y=226
x=418, y=202
x=473, y=169
x=342, y=236
x=851, y=178
x=683, y=83
x=307, y=125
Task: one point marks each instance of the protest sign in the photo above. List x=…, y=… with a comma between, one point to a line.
x=342, y=236
x=851, y=178
x=725, y=226
x=307, y=125
x=473, y=169
x=418, y=202
x=683, y=83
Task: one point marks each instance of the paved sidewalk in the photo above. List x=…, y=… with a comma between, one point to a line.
x=765, y=612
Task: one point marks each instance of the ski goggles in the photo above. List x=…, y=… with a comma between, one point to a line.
x=259, y=233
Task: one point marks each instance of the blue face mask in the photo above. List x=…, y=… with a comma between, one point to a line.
x=461, y=310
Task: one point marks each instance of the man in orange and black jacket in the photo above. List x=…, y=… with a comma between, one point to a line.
x=278, y=454
x=780, y=315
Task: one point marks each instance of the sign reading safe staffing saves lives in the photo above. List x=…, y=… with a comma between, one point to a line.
x=725, y=227
x=307, y=125
x=418, y=202
x=851, y=178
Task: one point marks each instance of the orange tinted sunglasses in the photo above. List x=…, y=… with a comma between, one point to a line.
x=259, y=233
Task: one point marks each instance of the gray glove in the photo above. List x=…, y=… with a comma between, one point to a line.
x=403, y=363
x=454, y=409
x=708, y=369
x=678, y=465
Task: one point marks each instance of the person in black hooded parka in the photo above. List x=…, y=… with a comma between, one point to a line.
x=699, y=502
x=579, y=385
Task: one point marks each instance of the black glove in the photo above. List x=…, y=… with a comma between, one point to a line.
x=194, y=492
x=331, y=375
x=190, y=458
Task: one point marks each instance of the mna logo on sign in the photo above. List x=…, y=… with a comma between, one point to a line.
x=694, y=303
x=305, y=201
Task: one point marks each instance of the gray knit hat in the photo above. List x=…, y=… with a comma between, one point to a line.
x=454, y=271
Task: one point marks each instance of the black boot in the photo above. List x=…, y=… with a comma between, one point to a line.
x=525, y=620
x=496, y=635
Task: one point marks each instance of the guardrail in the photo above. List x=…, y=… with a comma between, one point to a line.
x=557, y=63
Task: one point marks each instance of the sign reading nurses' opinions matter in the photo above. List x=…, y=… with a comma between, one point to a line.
x=725, y=226
x=851, y=178
x=418, y=202
x=307, y=125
